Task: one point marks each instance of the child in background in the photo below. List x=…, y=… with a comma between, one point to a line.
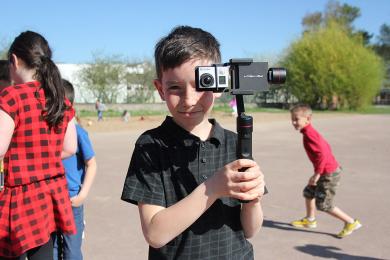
x=184, y=175
x=320, y=191
x=4, y=74
x=4, y=82
x=80, y=171
x=36, y=130
x=233, y=105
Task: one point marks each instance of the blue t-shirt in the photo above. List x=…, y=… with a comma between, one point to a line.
x=75, y=165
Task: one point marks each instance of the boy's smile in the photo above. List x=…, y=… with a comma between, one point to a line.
x=189, y=108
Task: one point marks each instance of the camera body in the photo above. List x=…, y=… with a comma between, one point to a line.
x=212, y=78
x=245, y=77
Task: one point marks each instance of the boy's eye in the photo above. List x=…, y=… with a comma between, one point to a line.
x=175, y=89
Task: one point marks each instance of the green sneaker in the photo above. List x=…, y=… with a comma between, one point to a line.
x=304, y=223
x=349, y=228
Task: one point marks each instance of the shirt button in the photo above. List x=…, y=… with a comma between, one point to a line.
x=203, y=160
x=202, y=145
x=204, y=176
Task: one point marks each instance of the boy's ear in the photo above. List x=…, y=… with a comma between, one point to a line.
x=158, y=85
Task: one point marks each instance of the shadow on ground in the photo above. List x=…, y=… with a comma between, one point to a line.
x=316, y=250
x=287, y=226
x=331, y=252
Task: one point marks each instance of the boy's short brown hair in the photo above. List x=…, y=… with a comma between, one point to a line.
x=4, y=74
x=182, y=44
x=304, y=108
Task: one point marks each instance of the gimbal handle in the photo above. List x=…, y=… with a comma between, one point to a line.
x=244, y=132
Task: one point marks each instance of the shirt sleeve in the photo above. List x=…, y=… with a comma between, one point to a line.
x=84, y=144
x=143, y=183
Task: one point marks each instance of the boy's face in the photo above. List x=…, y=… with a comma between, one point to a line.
x=176, y=87
x=299, y=120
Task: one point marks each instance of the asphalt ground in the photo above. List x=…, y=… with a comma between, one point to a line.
x=361, y=143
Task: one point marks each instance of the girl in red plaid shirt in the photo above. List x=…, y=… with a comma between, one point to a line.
x=36, y=130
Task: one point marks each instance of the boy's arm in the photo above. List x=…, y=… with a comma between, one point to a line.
x=160, y=225
x=70, y=140
x=7, y=126
x=314, y=178
x=90, y=174
x=251, y=217
x=252, y=212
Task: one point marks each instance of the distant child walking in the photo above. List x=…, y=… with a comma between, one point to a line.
x=184, y=175
x=80, y=172
x=321, y=189
x=37, y=130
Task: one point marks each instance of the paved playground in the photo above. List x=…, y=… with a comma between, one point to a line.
x=361, y=143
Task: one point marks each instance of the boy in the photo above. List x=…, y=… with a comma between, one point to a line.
x=80, y=171
x=4, y=74
x=4, y=82
x=184, y=175
x=321, y=188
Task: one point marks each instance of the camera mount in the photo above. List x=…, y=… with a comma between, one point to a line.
x=246, y=78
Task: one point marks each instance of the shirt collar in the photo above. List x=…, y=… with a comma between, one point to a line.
x=306, y=128
x=182, y=136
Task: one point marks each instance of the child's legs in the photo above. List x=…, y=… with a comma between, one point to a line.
x=57, y=245
x=310, y=202
x=72, y=243
x=325, y=192
x=338, y=213
x=42, y=252
x=310, y=208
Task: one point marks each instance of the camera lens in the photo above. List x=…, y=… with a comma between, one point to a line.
x=206, y=80
x=277, y=75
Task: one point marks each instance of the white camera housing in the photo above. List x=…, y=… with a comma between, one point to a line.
x=212, y=78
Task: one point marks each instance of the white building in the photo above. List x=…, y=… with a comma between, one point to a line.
x=71, y=72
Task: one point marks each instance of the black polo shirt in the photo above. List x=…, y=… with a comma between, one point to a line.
x=168, y=163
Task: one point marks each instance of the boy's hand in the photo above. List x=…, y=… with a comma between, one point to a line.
x=77, y=200
x=230, y=182
x=313, y=179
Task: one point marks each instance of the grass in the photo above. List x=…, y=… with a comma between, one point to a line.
x=226, y=109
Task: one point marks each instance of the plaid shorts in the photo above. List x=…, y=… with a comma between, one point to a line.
x=324, y=191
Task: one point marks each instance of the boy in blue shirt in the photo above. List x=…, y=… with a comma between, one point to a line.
x=80, y=171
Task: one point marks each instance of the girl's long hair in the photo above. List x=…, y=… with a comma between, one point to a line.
x=34, y=50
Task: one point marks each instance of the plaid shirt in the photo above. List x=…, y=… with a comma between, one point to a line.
x=35, y=201
x=168, y=163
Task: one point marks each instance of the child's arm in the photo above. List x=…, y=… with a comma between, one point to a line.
x=7, y=126
x=314, y=178
x=90, y=174
x=160, y=225
x=70, y=140
x=252, y=212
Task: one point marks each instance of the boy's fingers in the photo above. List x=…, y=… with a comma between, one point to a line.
x=242, y=163
x=247, y=176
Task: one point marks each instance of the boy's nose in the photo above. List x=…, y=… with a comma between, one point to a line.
x=191, y=96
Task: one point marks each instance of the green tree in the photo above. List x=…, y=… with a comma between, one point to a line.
x=4, y=46
x=344, y=15
x=103, y=77
x=139, y=80
x=320, y=71
x=382, y=48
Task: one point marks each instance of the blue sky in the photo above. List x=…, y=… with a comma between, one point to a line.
x=75, y=29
